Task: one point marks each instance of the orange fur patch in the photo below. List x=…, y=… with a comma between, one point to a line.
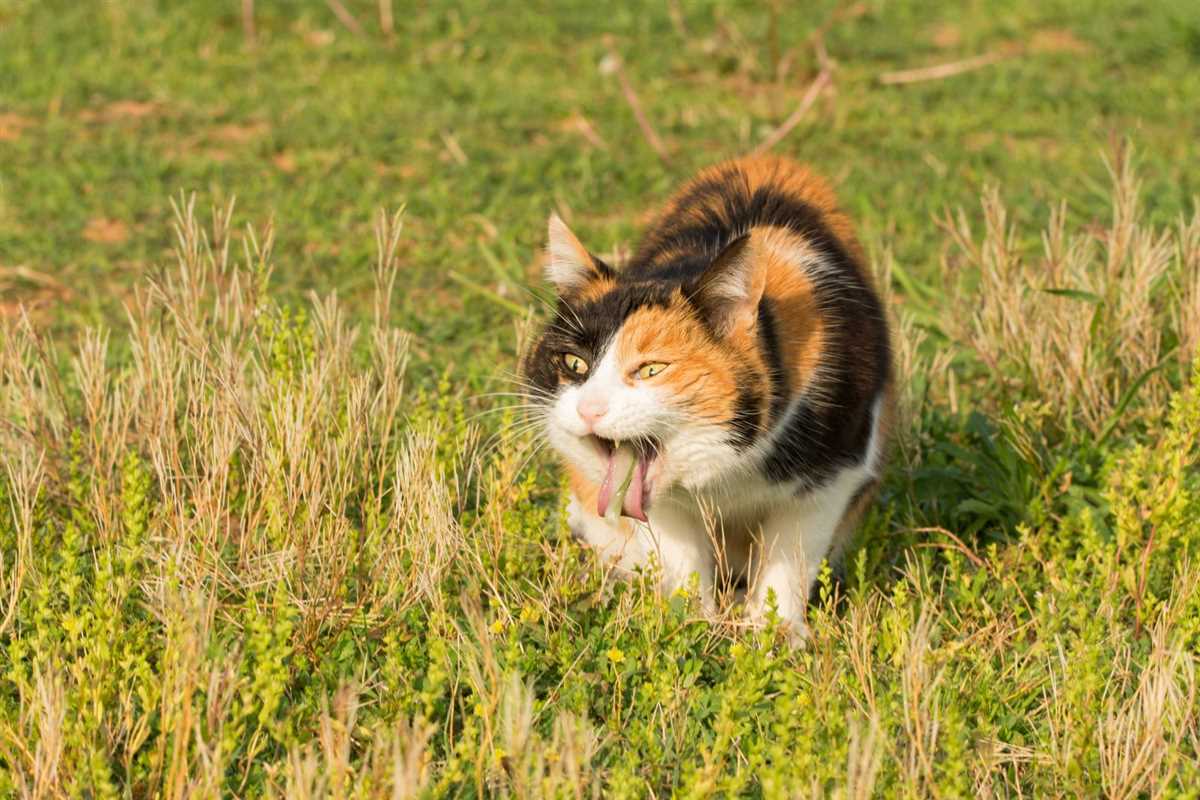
x=798, y=320
x=596, y=288
x=782, y=174
x=702, y=376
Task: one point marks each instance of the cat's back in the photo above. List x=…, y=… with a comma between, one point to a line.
x=822, y=338
x=733, y=198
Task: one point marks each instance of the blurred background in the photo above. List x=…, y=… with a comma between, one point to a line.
x=483, y=117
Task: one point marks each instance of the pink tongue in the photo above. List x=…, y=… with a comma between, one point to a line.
x=619, y=462
x=633, y=498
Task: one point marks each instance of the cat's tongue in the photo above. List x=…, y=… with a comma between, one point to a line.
x=623, y=485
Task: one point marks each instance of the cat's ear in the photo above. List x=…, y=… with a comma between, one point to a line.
x=569, y=266
x=731, y=287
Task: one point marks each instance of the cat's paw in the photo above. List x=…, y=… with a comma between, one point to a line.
x=796, y=633
x=792, y=627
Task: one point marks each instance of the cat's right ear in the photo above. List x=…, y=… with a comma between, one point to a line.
x=570, y=267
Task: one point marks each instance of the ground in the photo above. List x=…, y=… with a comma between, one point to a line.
x=245, y=552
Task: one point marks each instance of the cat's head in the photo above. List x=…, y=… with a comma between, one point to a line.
x=650, y=381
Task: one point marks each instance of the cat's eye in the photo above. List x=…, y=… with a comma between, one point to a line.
x=575, y=364
x=650, y=369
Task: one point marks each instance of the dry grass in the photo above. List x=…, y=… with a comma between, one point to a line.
x=1092, y=318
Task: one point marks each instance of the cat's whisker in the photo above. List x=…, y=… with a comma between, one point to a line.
x=492, y=413
x=512, y=407
x=539, y=447
x=520, y=429
x=518, y=395
x=508, y=436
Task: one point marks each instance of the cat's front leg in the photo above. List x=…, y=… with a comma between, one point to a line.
x=673, y=538
x=681, y=545
x=795, y=539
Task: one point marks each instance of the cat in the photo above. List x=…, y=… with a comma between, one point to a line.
x=726, y=396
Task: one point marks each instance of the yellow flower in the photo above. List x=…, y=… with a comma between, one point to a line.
x=615, y=655
x=497, y=626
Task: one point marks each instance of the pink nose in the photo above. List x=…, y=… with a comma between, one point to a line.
x=591, y=409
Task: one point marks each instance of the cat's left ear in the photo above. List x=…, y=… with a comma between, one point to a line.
x=731, y=287
x=570, y=266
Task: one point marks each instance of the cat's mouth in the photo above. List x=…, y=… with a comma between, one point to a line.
x=625, y=489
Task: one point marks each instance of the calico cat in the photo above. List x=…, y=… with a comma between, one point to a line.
x=726, y=396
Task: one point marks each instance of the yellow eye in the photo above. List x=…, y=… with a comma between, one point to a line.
x=575, y=364
x=651, y=369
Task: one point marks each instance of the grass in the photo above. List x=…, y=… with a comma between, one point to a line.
x=262, y=542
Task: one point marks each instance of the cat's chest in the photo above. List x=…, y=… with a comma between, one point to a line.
x=746, y=500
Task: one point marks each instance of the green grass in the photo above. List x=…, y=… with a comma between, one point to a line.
x=245, y=552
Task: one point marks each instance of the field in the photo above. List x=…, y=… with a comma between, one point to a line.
x=270, y=525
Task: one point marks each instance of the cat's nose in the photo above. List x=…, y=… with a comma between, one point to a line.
x=591, y=409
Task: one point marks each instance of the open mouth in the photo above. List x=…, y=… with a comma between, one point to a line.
x=625, y=489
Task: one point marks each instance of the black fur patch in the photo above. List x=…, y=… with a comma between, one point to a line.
x=747, y=417
x=776, y=374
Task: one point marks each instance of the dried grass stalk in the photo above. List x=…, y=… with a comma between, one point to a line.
x=1088, y=321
